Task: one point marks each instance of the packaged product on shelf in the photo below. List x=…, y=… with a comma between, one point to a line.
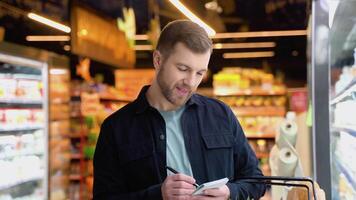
x=59, y=128
x=7, y=88
x=59, y=111
x=29, y=89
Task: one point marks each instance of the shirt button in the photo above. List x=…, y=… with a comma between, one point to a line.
x=162, y=137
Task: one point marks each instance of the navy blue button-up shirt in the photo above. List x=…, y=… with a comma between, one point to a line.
x=130, y=156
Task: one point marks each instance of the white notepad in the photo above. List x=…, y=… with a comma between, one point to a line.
x=213, y=184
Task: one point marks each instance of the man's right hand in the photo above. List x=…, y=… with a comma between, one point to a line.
x=178, y=187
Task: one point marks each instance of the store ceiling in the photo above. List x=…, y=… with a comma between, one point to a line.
x=235, y=16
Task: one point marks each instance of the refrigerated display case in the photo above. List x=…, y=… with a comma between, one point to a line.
x=34, y=123
x=23, y=128
x=333, y=87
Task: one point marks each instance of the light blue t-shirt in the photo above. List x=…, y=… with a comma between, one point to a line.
x=177, y=156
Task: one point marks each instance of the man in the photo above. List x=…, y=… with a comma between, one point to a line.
x=169, y=125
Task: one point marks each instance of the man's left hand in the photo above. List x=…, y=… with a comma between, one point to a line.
x=221, y=193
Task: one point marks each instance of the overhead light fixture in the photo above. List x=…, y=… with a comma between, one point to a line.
x=47, y=38
x=244, y=45
x=257, y=54
x=58, y=71
x=260, y=34
x=49, y=22
x=66, y=47
x=248, y=34
x=146, y=47
x=141, y=37
x=192, y=17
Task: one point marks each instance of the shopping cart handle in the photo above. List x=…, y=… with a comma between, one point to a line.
x=270, y=180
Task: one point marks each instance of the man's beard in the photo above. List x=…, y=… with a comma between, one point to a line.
x=169, y=93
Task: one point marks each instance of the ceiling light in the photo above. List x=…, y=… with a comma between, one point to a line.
x=66, y=47
x=49, y=22
x=248, y=34
x=58, y=71
x=47, y=38
x=147, y=47
x=257, y=54
x=141, y=37
x=193, y=17
x=260, y=34
x=244, y=45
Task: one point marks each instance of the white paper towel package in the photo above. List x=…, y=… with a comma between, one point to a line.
x=287, y=132
x=284, y=159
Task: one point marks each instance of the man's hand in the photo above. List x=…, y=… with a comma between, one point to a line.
x=221, y=193
x=178, y=187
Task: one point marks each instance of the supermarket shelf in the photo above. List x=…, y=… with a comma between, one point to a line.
x=260, y=111
x=105, y=98
x=252, y=92
x=349, y=90
x=20, y=102
x=20, y=129
x=260, y=136
x=347, y=174
x=23, y=181
x=75, y=177
x=20, y=154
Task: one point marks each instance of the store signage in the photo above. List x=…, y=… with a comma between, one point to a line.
x=99, y=38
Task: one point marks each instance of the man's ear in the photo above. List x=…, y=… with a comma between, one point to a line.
x=157, y=59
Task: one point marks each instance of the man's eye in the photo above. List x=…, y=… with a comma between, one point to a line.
x=182, y=69
x=200, y=74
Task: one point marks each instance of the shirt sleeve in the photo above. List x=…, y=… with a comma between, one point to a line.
x=109, y=182
x=245, y=164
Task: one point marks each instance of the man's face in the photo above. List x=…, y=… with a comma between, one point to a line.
x=179, y=75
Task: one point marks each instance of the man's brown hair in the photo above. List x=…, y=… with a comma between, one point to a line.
x=187, y=32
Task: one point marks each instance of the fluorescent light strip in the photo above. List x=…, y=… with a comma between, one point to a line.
x=47, y=38
x=191, y=16
x=49, y=22
x=244, y=45
x=257, y=54
x=248, y=34
x=147, y=47
x=58, y=71
x=141, y=37
x=260, y=34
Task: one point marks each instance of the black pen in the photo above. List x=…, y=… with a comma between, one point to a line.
x=176, y=172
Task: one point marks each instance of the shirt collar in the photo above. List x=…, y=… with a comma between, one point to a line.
x=142, y=102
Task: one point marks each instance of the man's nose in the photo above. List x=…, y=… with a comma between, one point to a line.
x=190, y=80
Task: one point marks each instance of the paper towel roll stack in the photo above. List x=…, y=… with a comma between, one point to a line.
x=286, y=162
x=287, y=133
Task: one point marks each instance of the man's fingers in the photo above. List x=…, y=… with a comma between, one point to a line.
x=181, y=191
x=214, y=192
x=182, y=177
x=181, y=184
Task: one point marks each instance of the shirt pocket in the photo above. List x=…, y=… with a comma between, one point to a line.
x=218, y=154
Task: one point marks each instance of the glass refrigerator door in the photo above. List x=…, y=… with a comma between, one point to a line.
x=23, y=128
x=333, y=88
x=343, y=98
